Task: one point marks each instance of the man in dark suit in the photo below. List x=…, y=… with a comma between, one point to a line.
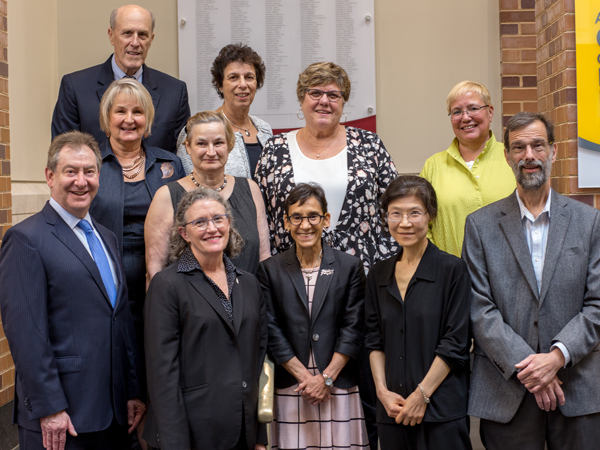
x=65, y=313
x=534, y=259
x=131, y=34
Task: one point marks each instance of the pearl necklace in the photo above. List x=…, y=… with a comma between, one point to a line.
x=136, y=166
x=219, y=189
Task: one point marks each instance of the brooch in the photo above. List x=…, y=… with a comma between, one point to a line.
x=167, y=170
x=327, y=272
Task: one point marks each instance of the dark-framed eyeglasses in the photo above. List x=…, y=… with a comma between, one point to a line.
x=297, y=219
x=317, y=94
x=218, y=221
x=413, y=216
x=538, y=146
x=471, y=111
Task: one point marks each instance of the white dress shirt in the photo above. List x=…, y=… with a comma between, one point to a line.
x=536, y=232
x=72, y=222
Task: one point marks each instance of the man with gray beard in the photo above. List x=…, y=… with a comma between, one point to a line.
x=534, y=260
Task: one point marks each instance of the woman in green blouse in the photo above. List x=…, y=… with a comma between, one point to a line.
x=472, y=172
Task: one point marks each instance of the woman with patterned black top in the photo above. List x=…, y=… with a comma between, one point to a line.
x=352, y=166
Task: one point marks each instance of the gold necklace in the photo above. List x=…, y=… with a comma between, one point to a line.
x=135, y=167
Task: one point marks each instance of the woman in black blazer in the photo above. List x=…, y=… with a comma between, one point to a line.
x=206, y=336
x=315, y=303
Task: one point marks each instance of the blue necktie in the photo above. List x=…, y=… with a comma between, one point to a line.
x=100, y=259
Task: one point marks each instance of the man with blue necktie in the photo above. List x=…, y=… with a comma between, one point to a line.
x=65, y=313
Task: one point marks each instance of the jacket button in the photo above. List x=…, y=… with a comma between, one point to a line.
x=244, y=384
x=535, y=324
x=315, y=337
x=115, y=319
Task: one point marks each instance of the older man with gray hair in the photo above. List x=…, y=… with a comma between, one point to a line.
x=534, y=260
x=131, y=34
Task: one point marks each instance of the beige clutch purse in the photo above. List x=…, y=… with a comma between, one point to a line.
x=266, y=386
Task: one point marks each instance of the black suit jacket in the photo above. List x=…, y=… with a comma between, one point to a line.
x=78, y=104
x=202, y=369
x=337, y=320
x=71, y=349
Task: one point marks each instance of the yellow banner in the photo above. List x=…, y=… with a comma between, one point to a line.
x=587, y=40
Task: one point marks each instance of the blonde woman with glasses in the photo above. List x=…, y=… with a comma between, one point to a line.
x=472, y=172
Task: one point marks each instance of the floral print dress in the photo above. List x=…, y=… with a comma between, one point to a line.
x=359, y=230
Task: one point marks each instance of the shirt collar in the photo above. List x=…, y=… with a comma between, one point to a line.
x=188, y=262
x=118, y=73
x=69, y=218
x=525, y=212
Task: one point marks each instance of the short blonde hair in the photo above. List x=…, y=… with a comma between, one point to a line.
x=321, y=73
x=464, y=87
x=132, y=88
x=210, y=117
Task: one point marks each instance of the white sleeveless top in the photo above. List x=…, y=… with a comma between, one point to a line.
x=330, y=173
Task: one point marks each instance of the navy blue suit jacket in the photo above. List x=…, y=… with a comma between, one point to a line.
x=78, y=104
x=71, y=349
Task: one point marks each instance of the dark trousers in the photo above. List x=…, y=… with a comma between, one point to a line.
x=113, y=438
x=533, y=428
x=451, y=435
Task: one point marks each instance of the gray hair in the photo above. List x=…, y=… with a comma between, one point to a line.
x=74, y=140
x=177, y=244
x=113, y=18
x=523, y=119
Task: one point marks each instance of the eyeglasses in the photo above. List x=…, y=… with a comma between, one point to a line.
x=317, y=94
x=538, y=146
x=471, y=111
x=218, y=221
x=297, y=219
x=412, y=217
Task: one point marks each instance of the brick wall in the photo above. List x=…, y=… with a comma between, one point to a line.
x=7, y=369
x=557, y=92
x=519, y=68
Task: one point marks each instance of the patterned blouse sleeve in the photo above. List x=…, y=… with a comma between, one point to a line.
x=265, y=173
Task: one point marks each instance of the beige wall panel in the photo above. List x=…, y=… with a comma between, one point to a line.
x=423, y=49
x=83, y=34
x=33, y=84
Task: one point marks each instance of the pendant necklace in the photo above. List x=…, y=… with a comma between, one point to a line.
x=310, y=274
x=245, y=130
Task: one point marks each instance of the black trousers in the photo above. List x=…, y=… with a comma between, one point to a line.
x=532, y=428
x=113, y=438
x=451, y=435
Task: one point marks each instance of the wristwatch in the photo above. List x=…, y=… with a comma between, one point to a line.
x=328, y=380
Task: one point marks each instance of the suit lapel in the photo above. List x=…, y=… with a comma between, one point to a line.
x=67, y=236
x=512, y=227
x=199, y=283
x=323, y=281
x=238, y=305
x=560, y=217
x=295, y=274
x=105, y=78
x=150, y=84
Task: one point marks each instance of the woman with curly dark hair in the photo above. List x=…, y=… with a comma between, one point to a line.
x=237, y=73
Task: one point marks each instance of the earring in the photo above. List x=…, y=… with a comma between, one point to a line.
x=345, y=118
x=298, y=114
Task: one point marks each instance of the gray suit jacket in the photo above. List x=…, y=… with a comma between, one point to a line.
x=511, y=320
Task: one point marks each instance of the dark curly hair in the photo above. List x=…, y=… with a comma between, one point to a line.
x=236, y=53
